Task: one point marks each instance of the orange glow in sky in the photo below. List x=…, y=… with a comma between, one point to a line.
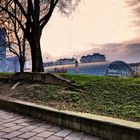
x=94, y=21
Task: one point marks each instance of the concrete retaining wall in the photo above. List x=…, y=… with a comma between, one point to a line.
x=104, y=127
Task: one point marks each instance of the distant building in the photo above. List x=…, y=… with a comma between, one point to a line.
x=96, y=57
x=10, y=64
x=48, y=64
x=65, y=61
x=116, y=69
x=2, y=42
x=15, y=62
x=28, y=66
x=135, y=68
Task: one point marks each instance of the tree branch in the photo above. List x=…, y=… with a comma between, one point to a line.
x=10, y=14
x=21, y=8
x=46, y=18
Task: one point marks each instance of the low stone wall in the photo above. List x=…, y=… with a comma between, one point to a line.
x=46, y=78
x=105, y=127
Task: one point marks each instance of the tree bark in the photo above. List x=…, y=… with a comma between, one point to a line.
x=22, y=67
x=37, y=62
x=22, y=63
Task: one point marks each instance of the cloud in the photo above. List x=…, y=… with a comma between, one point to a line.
x=134, y=7
x=132, y=2
x=119, y=51
x=127, y=51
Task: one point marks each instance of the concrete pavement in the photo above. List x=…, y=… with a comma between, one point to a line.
x=18, y=127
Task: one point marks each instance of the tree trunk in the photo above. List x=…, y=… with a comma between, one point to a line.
x=37, y=62
x=22, y=62
x=21, y=67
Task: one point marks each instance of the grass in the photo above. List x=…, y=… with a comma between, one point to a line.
x=110, y=96
x=6, y=74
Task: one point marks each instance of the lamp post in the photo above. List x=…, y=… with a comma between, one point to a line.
x=76, y=64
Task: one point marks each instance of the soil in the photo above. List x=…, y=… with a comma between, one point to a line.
x=7, y=91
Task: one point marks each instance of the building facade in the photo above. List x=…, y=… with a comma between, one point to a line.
x=65, y=61
x=135, y=69
x=2, y=42
x=96, y=57
x=116, y=69
x=10, y=64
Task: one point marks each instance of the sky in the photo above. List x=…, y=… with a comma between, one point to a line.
x=103, y=26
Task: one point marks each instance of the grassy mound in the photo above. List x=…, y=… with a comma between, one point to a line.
x=116, y=97
x=6, y=74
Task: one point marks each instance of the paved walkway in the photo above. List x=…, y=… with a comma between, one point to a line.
x=16, y=127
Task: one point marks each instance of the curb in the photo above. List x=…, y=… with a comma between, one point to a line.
x=101, y=126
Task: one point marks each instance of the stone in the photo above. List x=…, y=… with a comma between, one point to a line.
x=27, y=128
x=54, y=129
x=45, y=134
x=74, y=136
x=36, y=138
x=54, y=138
x=89, y=137
x=27, y=135
x=13, y=128
x=12, y=135
x=63, y=133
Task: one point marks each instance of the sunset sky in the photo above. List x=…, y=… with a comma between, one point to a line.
x=94, y=24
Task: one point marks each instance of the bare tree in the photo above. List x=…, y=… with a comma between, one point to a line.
x=36, y=14
x=15, y=41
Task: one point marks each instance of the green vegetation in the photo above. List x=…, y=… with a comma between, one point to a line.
x=116, y=97
x=6, y=74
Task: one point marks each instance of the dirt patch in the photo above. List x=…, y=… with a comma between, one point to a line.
x=46, y=78
x=6, y=88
